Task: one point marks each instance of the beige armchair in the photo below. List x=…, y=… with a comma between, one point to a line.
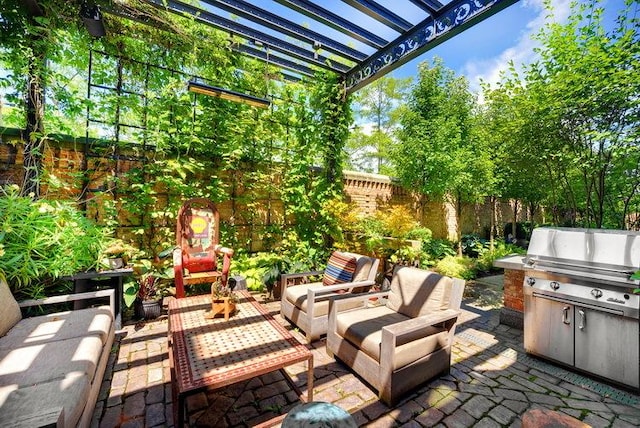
x=306, y=303
x=402, y=340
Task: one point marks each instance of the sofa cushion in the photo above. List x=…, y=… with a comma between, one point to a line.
x=34, y=363
x=10, y=313
x=363, y=329
x=415, y=292
x=59, y=326
x=340, y=269
x=69, y=392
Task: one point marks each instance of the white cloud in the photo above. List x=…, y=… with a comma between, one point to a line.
x=522, y=52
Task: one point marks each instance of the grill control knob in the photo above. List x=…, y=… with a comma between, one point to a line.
x=531, y=281
x=596, y=293
x=554, y=285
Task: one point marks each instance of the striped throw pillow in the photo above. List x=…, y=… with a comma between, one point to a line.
x=340, y=269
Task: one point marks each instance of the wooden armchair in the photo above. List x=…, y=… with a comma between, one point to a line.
x=403, y=341
x=306, y=303
x=195, y=259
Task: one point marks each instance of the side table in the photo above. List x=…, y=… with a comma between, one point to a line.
x=92, y=280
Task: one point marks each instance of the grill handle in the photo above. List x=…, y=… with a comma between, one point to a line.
x=582, y=319
x=565, y=315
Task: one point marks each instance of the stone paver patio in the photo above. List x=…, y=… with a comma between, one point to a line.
x=492, y=383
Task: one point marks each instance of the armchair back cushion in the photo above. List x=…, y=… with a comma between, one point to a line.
x=10, y=313
x=414, y=293
x=340, y=269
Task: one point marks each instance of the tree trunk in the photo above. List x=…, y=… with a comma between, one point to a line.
x=34, y=132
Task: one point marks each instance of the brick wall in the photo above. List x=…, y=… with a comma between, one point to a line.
x=250, y=211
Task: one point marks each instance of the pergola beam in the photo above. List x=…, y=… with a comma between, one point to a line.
x=252, y=35
x=334, y=21
x=380, y=14
x=274, y=22
x=456, y=17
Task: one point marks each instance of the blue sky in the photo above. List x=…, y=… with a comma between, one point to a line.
x=485, y=49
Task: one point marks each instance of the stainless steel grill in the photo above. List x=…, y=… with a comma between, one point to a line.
x=580, y=306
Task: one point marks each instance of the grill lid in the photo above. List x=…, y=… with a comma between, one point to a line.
x=612, y=255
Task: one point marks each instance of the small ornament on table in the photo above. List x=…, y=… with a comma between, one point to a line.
x=223, y=301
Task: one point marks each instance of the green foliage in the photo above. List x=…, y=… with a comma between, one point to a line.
x=44, y=240
x=486, y=258
x=436, y=249
x=262, y=270
x=378, y=104
x=565, y=128
x=460, y=267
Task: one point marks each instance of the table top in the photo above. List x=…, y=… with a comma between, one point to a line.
x=216, y=353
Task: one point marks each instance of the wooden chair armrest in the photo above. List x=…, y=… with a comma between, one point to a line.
x=286, y=277
x=363, y=298
x=400, y=333
x=316, y=292
x=224, y=251
x=110, y=293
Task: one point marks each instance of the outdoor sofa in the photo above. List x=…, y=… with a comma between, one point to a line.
x=51, y=366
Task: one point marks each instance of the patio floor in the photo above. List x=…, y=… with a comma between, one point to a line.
x=493, y=382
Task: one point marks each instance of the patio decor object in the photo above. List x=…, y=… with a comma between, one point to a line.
x=318, y=414
x=195, y=259
x=212, y=353
x=306, y=304
x=404, y=342
x=51, y=366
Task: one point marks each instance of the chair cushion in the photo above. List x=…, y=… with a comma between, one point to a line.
x=40, y=362
x=340, y=269
x=363, y=267
x=10, y=313
x=297, y=295
x=70, y=392
x=201, y=261
x=363, y=329
x=59, y=326
x=415, y=292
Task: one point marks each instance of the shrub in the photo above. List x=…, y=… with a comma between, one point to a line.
x=44, y=240
x=501, y=249
x=459, y=267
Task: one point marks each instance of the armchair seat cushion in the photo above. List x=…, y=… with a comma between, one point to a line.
x=363, y=329
x=69, y=392
x=297, y=295
x=59, y=326
x=32, y=364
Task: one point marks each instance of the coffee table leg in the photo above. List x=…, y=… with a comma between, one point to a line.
x=310, y=379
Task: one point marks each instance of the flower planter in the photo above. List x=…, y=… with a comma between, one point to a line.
x=149, y=309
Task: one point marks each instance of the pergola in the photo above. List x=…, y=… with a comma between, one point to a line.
x=360, y=40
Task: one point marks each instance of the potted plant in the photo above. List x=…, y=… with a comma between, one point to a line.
x=148, y=289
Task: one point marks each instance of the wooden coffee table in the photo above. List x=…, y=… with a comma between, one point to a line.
x=213, y=353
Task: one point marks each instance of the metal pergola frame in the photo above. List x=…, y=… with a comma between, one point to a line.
x=298, y=50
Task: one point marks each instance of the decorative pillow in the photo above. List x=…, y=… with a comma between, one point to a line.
x=340, y=269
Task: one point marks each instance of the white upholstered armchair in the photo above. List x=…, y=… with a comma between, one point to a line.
x=403, y=341
x=306, y=303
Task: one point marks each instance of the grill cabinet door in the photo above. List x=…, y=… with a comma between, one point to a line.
x=548, y=328
x=607, y=345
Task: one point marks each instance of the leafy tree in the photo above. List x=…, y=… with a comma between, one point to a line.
x=578, y=110
x=437, y=156
x=377, y=104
